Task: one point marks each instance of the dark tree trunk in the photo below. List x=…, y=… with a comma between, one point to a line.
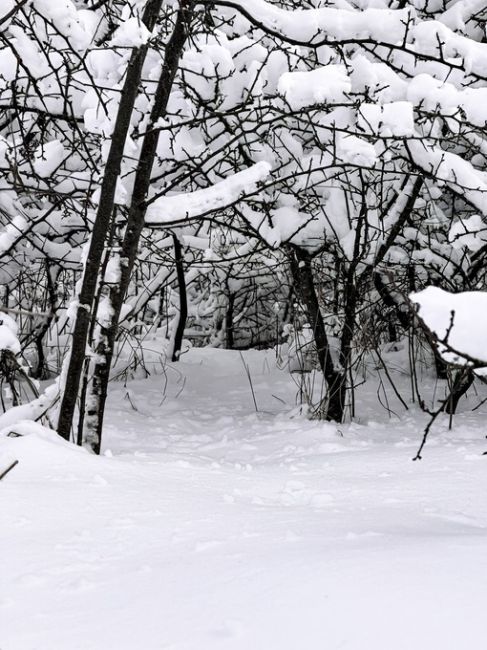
x=41, y=371
x=229, y=335
x=135, y=224
x=183, y=299
x=350, y=297
x=302, y=274
x=391, y=330
x=101, y=226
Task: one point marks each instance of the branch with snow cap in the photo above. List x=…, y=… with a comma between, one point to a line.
x=459, y=174
x=399, y=30
x=173, y=209
x=456, y=323
x=312, y=27
x=32, y=411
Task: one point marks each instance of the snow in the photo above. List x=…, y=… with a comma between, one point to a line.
x=8, y=6
x=435, y=39
x=469, y=233
x=357, y=151
x=26, y=413
x=220, y=516
x=29, y=52
x=308, y=26
x=208, y=525
x=12, y=232
x=461, y=12
x=78, y=27
x=432, y=94
x=451, y=168
x=48, y=158
x=329, y=84
x=201, y=202
x=8, y=334
x=131, y=33
x=458, y=320
x=391, y=119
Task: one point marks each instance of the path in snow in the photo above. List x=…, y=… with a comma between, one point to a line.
x=210, y=526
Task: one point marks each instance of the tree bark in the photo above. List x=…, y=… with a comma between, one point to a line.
x=183, y=300
x=101, y=226
x=302, y=274
x=135, y=224
x=229, y=314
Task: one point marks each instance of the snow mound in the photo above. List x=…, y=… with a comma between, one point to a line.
x=38, y=447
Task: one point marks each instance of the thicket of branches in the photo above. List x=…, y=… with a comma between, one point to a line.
x=231, y=173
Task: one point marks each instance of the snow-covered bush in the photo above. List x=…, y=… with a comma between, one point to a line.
x=243, y=150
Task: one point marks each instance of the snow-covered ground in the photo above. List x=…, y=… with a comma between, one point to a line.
x=209, y=525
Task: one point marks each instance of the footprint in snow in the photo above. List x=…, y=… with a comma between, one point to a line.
x=295, y=493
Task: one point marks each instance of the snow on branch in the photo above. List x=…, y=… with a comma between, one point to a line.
x=308, y=26
x=399, y=29
x=452, y=169
x=32, y=411
x=170, y=209
x=77, y=26
x=328, y=84
x=433, y=38
x=457, y=323
x=443, y=98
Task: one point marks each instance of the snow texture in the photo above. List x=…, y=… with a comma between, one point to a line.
x=208, y=525
x=327, y=85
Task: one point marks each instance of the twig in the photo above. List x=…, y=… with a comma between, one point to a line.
x=127, y=395
x=6, y=471
x=427, y=430
x=247, y=370
x=388, y=375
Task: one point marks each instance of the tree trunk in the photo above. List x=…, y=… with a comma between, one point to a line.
x=41, y=371
x=302, y=274
x=135, y=224
x=101, y=226
x=229, y=331
x=183, y=300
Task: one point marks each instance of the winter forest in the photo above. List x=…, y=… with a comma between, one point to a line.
x=243, y=324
